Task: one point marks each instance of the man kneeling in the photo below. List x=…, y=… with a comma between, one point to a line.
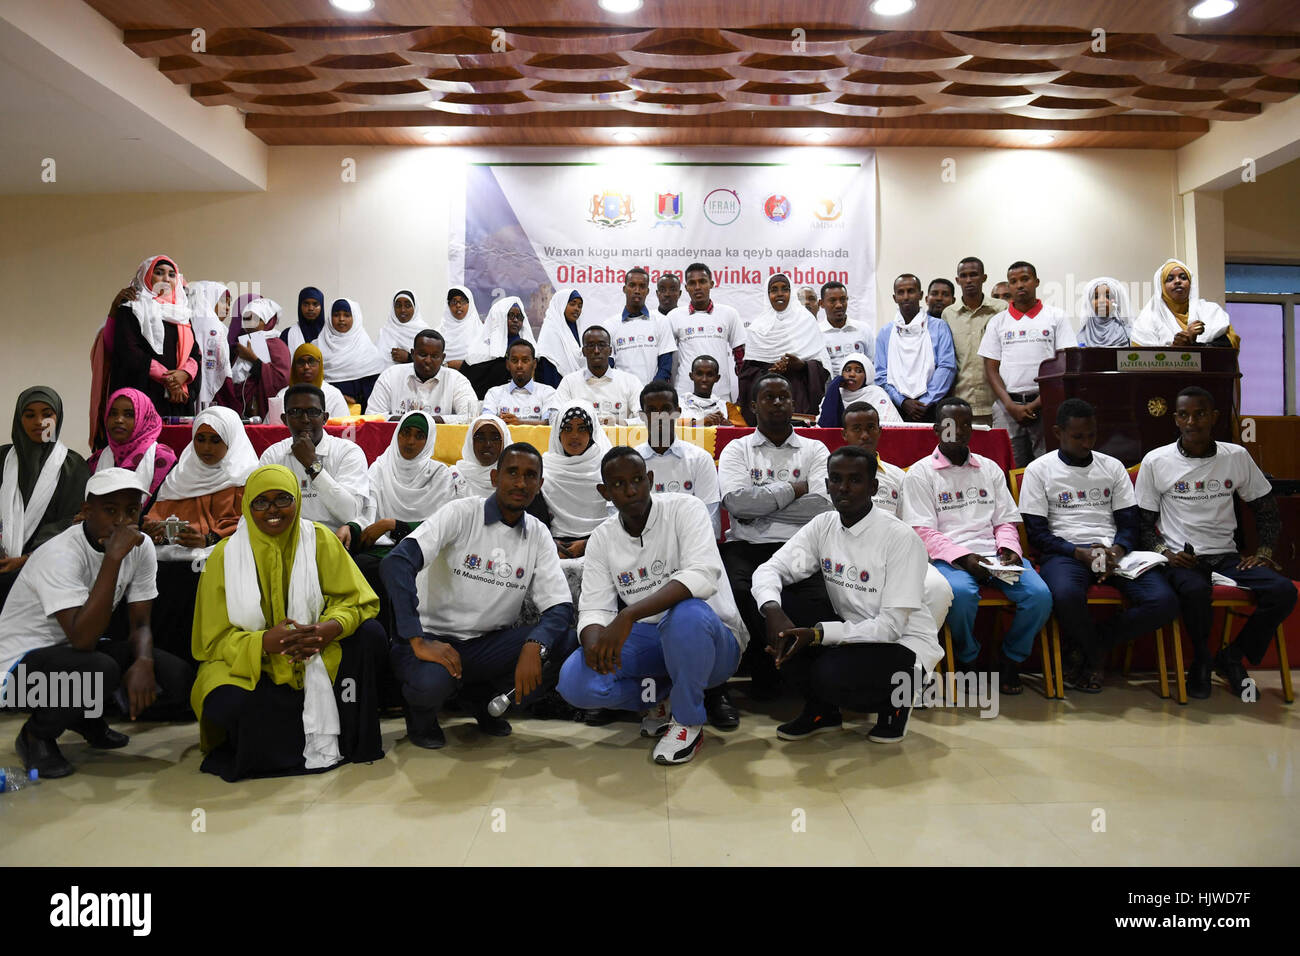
x=874, y=567
x=679, y=631
x=483, y=555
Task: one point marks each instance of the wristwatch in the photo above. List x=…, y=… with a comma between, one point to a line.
x=818, y=633
x=1164, y=549
x=314, y=469
x=540, y=647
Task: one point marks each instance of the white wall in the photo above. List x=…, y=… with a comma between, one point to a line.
x=1262, y=219
x=1075, y=214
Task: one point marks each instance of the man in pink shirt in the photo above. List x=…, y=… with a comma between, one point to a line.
x=959, y=504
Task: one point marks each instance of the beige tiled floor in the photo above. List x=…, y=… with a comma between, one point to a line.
x=1211, y=783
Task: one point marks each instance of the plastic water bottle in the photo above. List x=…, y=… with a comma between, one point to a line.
x=15, y=778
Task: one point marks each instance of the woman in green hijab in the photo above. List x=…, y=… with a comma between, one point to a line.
x=287, y=644
x=42, y=482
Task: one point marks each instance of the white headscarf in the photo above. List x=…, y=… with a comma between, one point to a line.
x=1113, y=330
x=349, y=355
x=211, y=335
x=555, y=342
x=460, y=333
x=478, y=478
x=191, y=477
x=150, y=310
x=793, y=331
x=410, y=490
x=569, y=481
x=491, y=342
x=397, y=334
x=911, y=354
x=268, y=311
x=1156, y=325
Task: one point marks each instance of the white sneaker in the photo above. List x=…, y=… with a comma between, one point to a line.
x=657, y=719
x=680, y=744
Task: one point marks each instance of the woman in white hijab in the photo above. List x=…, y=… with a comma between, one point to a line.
x=570, y=474
x=785, y=338
x=1176, y=316
x=209, y=309
x=1106, y=314
x=397, y=337
x=461, y=325
x=352, y=363
x=486, y=436
x=407, y=485
x=559, y=349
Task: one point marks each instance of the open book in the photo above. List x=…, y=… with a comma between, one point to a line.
x=1136, y=563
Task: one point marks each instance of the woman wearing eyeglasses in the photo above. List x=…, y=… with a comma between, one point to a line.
x=288, y=647
x=331, y=471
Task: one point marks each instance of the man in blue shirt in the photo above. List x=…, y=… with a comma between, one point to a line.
x=915, y=359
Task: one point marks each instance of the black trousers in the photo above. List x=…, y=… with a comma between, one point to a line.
x=97, y=675
x=805, y=602
x=855, y=676
x=1275, y=598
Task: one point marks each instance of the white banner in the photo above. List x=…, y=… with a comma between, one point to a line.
x=533, y=228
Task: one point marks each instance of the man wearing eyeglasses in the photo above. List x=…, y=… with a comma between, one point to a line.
x=614, y=395
x=331, y=471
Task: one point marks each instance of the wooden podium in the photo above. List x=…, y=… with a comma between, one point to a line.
x=1133, y=391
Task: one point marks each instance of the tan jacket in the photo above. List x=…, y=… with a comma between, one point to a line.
x=967, y=330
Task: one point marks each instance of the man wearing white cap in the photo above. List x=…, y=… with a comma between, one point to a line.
x=51, y=657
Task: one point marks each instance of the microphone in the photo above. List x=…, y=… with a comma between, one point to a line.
x=500, y=704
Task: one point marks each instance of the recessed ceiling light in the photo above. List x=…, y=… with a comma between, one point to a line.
x=817, y=135
x=435, y=135
x=1209, y=9
x=891, y=8
x=353, y=6
x=625, y=136
x=619, y=6
x=1041, y=139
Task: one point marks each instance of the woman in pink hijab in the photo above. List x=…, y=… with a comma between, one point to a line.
x=133, y=427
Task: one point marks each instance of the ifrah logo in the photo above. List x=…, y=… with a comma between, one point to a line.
x=77, y=909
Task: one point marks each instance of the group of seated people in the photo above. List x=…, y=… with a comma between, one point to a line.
x=169, y=340
x=280, y=595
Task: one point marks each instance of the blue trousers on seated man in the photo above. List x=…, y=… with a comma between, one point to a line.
x=690, y=649
x=1033, y=603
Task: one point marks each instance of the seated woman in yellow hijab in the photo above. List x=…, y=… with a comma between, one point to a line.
x=287, y=644
x=1177, y=317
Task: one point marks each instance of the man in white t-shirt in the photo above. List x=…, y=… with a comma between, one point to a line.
x=457, y=585
x=773, y=482
x=873, y=566
x=52, y=658
x=862, y=429
x=613, y=393
x=845, y=338
x=1185, y=491
x=1082, y=519
x=1016, y=341
x=678, y=465
x=643, y=341
x=705, y=327
x=959, y=504
x=333, y=473
x=424, y=384
x=522, y=400
x=655, y=615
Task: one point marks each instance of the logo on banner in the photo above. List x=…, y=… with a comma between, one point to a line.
x=722, y=206
x=828, y=209
x=776, y=208
x=668, y=210
x=611, y=209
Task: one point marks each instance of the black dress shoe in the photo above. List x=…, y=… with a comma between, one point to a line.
x=425, y=732
x=43, y=756
x=1198, y=680
x=722, y=712
x=1232, y=670
x=492, y=726
x=101, y=736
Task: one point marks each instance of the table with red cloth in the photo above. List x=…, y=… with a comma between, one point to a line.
x=899, y=445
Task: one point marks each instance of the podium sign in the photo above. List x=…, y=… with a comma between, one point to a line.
x=1155, y=360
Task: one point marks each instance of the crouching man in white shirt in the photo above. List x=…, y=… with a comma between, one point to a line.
x=333, y=473
x=457, y=584
x=874, y=568
x=679, y=631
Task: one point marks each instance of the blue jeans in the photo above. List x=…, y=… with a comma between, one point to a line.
x=1151, y=604
x=1033, y=607
x=688, y=650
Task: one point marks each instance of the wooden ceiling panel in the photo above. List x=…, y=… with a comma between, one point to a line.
x=708, y=71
